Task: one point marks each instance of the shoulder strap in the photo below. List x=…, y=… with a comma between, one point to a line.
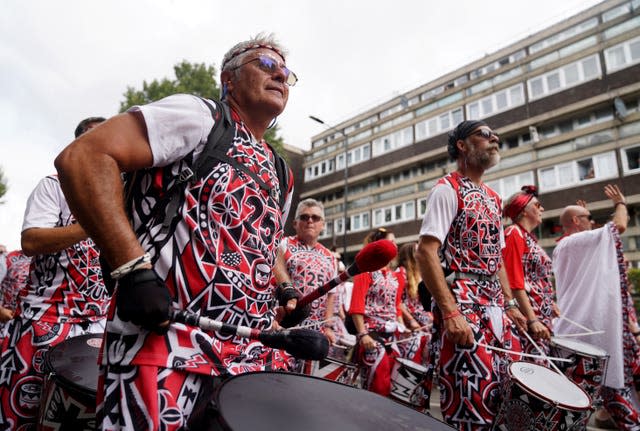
x=216, y=151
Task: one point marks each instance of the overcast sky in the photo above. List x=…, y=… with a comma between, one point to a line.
x=66, y=60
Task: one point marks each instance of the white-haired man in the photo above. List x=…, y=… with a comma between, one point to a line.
x=207, y=248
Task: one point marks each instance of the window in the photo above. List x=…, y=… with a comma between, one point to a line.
x=564, y=35
x=395, y=140
x=360, y=222
x=631, y=159
x=593, y=168
x=623, y=55
x=621, y=28
x=394, y=214
x=507, y=186
x=435, y=125
x=564, y=77
x=496, y=102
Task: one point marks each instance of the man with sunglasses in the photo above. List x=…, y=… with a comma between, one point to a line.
x=593, y=291
x=309, y=264
x=213, y=257
x=463, y=226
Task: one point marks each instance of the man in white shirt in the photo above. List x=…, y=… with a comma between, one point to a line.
x=593, y=292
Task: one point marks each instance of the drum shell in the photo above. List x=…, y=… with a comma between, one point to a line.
x=587, y=368
x=525, y=409
x=273, y=401
x=408, y=383
x=67, y=390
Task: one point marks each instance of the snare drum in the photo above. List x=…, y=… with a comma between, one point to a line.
x=537, y=398
x=274, y=401
x=588, y=367
x=69, y=391
x=334, y=367
x=407, y=383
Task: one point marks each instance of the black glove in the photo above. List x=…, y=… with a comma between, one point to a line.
x=297, y=315
x=143, y=299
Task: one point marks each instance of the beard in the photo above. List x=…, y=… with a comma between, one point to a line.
x=483, y=159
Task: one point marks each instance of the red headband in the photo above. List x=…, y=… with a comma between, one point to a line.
x=518, y=204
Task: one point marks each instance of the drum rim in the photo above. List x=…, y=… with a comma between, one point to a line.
x=561, y=404
x=405, y=362
x=590, y=355
x=61, y=380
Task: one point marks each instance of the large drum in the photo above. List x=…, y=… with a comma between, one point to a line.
x=68, y=398
x=537, y=398
x=588, y=366
x=274, y=401
x=408, y=383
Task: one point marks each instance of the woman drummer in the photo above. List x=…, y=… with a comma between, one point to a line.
x=377, y=316
x=529, y=268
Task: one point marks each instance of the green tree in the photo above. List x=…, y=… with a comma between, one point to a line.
x=3, y=184
x=192, y=78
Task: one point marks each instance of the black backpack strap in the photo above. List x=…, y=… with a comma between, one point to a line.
x=219, y=140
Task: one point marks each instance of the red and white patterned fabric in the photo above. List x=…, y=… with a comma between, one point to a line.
x=64, y=297
x=216, y=261
x=376, y=295
x=310, y=268
x=14, y=281
x=466, y=218
x=529, y=268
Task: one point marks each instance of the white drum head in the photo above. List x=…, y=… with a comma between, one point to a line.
x=549, y=385
x=579, y=347
x=412, y=365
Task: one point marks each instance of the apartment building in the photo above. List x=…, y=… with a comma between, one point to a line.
x=565, y=102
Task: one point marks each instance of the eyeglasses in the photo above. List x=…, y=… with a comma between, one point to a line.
x=306, y=217
x=486, y=134
x=271, y=65
x=588, y=216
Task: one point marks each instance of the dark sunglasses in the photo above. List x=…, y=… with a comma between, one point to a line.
x=306, y=217
x=270, y=65
x=486, y=134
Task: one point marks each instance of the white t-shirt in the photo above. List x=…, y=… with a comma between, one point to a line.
x=176, y=127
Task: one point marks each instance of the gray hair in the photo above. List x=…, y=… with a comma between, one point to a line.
x=235, y=56
x=309, y=203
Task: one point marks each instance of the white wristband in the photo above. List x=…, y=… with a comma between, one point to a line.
x=130, y=266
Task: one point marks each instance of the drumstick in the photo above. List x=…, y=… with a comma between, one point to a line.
x=580, y=334
x=528, y=355
x=300, y=343
x=372, y=257
x=575, y=323
x=404, y=340
x=544, y=355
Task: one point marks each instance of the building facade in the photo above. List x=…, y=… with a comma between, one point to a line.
x=565, y=102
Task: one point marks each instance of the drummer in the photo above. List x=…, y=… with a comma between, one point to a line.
x=65, y=296
x=462, y=234
x=309, y=265
x=209, y=250
x=593, y=291
x=529, y=268
x=376, y=310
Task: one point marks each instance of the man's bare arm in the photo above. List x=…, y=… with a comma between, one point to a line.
x=457, y=328
x=89, y=172
x=48, y=240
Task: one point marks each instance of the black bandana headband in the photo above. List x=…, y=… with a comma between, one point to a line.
x=461, y=132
